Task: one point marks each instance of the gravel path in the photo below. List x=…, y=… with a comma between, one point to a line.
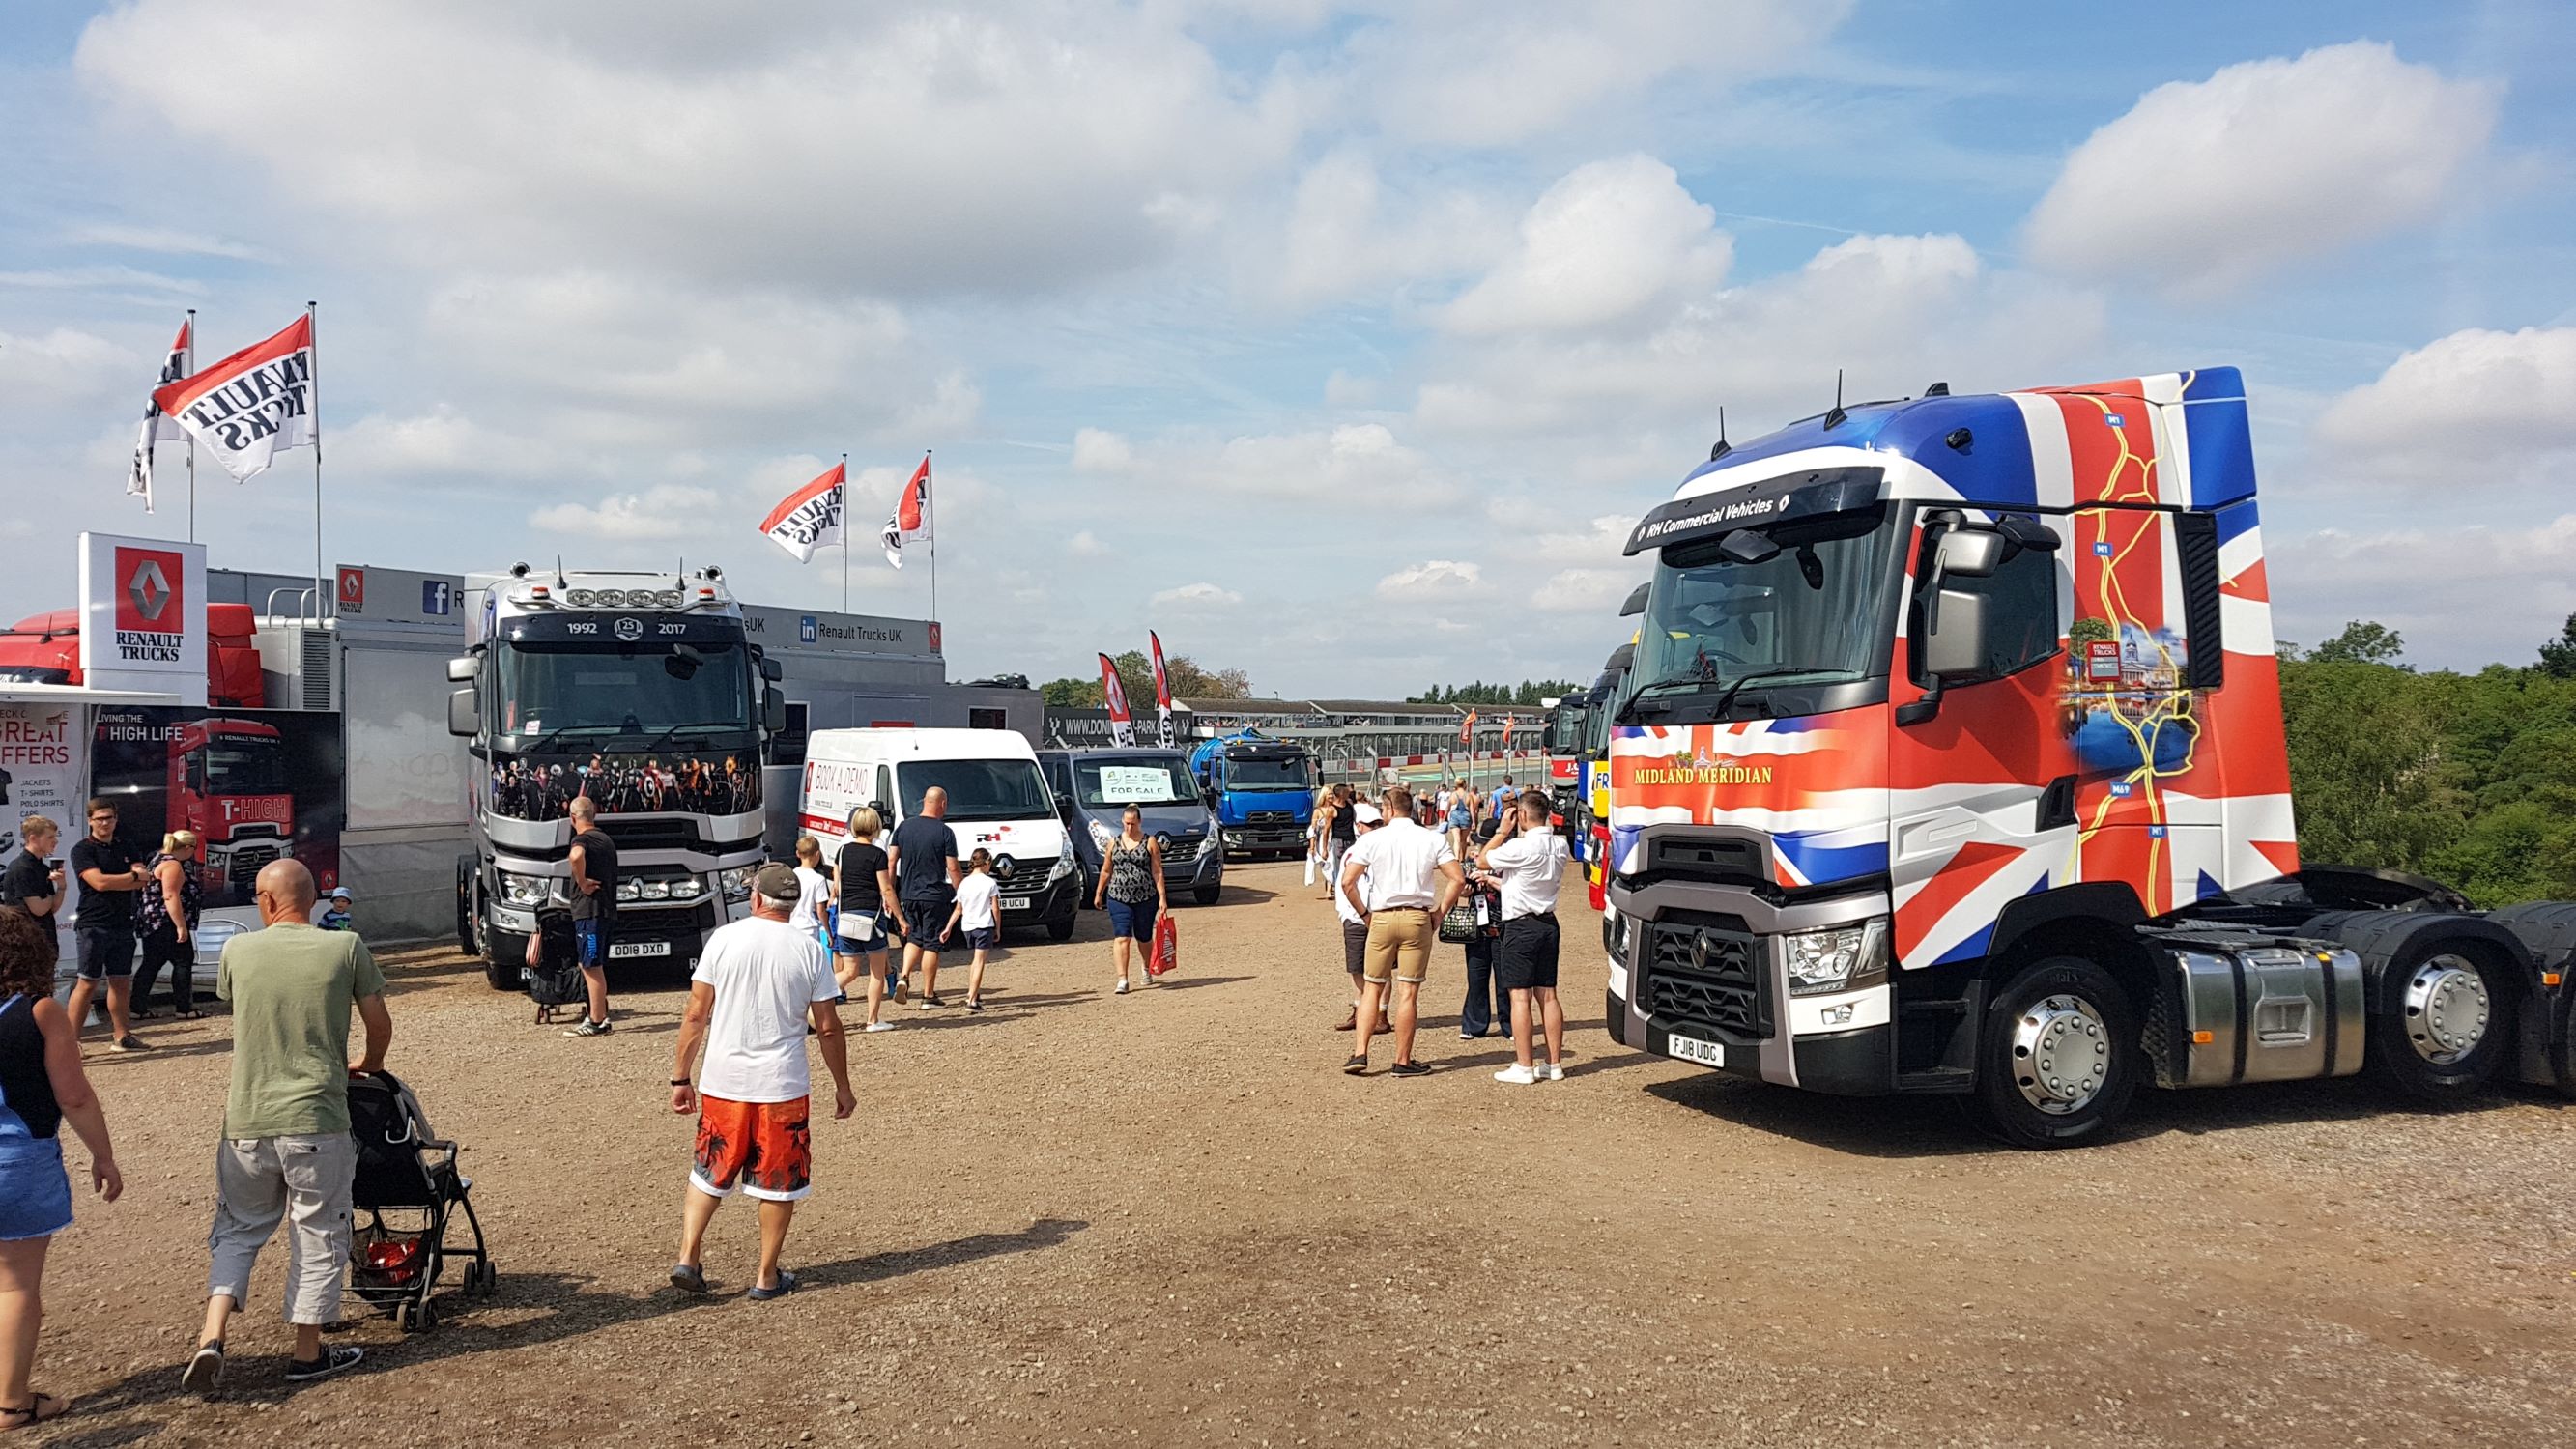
x=1167, y=1218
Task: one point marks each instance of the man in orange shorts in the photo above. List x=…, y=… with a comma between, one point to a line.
x=758, y=983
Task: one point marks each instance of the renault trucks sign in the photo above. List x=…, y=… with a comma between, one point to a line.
x=143, y=615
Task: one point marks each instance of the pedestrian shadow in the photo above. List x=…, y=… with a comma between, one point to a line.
x=104, y=1436
x=901, y=1262
x=1186, y=983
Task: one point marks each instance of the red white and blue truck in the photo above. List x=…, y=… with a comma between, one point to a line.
x=1951, y=760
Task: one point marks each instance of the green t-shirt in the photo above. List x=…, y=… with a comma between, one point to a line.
x=291, y=986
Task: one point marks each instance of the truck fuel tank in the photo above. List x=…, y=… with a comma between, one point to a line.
x=2236, y=1007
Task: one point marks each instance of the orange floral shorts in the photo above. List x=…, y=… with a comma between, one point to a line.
x=765, y=1149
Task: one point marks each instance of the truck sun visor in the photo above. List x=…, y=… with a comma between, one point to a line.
x=1773, y=500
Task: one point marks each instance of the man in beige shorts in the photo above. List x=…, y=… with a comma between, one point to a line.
x=1401, y=879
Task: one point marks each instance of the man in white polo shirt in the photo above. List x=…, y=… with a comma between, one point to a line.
x=1401, y=879
x=1527, y=861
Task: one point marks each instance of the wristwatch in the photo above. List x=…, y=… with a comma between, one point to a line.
x=680, y=1082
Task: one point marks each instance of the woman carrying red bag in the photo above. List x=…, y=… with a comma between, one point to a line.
x=1131, y=886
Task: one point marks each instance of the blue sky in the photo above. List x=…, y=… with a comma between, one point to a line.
x=1338, y=341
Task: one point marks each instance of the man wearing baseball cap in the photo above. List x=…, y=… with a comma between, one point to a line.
x=756, y=986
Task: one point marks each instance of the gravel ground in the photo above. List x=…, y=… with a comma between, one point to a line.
x=1167, y=1218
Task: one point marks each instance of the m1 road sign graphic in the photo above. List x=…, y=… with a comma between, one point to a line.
x=149, y=608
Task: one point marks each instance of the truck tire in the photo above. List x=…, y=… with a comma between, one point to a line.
x=1206, y=895
x=1061, y=930
x=466, y=944
x=2441, y=1024
x=2059, y=1056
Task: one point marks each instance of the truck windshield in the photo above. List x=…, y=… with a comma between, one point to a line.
x=1099, y=783
x=977, y=789
x=1266, y=774
x=601, y=689
x=245, y=767
x=1810, y=613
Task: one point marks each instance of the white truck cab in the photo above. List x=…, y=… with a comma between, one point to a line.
x=997, y=800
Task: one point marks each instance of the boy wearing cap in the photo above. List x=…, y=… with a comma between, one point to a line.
x=335, y=911
x=757, y=985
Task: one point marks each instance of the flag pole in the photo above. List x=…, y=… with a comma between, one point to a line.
x=313, y=392
x=934, y=542
x=192, y=438
x=845, y=533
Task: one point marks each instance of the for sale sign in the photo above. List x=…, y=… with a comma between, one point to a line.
x=143, y=615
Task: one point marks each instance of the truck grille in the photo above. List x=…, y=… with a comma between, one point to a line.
x=1269, y=819
x=1707, y=971
x=246, y=862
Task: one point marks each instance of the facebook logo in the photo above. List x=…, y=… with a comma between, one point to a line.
x=436, y=597
x=805, y=629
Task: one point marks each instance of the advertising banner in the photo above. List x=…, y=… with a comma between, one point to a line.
x=254, y=784
x=41, y=750
x=143, y=615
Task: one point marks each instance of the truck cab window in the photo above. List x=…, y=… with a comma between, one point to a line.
x=2021, y=597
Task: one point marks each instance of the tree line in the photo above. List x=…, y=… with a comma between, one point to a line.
x=1136, y=676
x=2467, y=778
x=1527, y=692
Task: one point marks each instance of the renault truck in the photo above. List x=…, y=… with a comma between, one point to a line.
x=641, y=693
x=1951, y=761
x=1263, y=788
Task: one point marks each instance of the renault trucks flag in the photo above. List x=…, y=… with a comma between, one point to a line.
x=252, y=403
x=1162, y=688
x=1122, y=729
x=158, y=425
x=911, y=514
x=810, y=517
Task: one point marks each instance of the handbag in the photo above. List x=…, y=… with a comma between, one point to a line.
x=1167, y=948
x=1476, y=915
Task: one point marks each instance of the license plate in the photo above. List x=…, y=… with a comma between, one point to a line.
x=621, y=949
x=1692, y=1049
x=1018, y=903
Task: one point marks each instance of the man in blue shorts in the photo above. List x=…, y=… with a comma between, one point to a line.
x=594, y=909
x=925, y=884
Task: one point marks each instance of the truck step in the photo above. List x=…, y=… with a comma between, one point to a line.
x=1937, y=1079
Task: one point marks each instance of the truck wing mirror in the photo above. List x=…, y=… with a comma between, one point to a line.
x=1636, y=603
x=1207, y=796
x=773, y=710
x=464, y=712
x=461, y=670
x=1956, y=647
x=1972, y=553
x=771, y=670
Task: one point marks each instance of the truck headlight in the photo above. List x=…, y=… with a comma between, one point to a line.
x=735, y=882
x=1064, y=863
x=1213, y=841
x=527, y=891
x=1836, y=960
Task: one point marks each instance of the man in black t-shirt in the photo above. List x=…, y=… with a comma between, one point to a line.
x=31, y=883
x=594, y=909
x=925, y=884
x=109, y=878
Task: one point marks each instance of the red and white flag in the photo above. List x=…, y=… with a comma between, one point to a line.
x=1467, y=728
x=810, y=517
x=156, y=424
x=246, y=407
x=1508, y=721
x=1122, y=728
x=1162, y=687
x=911, y=514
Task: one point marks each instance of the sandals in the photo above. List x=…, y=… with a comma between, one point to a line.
x=41, y=1409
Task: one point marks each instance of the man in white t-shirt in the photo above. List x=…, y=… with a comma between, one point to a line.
x=758, y=983
x=1400, y=879
x=1527, y=861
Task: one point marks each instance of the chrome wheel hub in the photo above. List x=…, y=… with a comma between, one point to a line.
x=2061, y=1054
x=2447, y=1010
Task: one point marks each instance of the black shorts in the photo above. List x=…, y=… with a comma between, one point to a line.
x=924, y=919
x=105, y=951
x=1355, y=947
x=1526, y=958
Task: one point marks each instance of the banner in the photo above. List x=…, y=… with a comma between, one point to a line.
x=156, y=424
x=1162, y=687
x=41, y=751
x=1509, y=720
x=810, y=517
x=1122, y=728
x=254, y=784
x=911, y=514
x=1467, y=728
x=252, y=403
x=143, y=615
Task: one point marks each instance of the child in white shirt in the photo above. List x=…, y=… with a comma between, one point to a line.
x=975, y=911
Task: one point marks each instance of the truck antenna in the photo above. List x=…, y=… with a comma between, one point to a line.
x=561, y=581
x=1837, y=417
x=1721, y=450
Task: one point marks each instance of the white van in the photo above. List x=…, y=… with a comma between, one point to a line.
x=996, y=800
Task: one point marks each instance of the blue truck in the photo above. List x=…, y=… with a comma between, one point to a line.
x=1264, y=791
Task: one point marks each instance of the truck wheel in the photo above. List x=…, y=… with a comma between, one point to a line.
x=466, y=941
x=2444, y=1026
x=1206, y=895
x=1061, y=930
x=2058, y=1057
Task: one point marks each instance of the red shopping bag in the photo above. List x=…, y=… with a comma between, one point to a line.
x=1167, y=947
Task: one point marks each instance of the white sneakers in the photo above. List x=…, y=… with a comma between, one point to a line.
x=1122, y=987
x=878, y=1026
x=1551, y=1071
x=1521, y=1076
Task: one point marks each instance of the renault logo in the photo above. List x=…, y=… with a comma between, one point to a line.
x=150, y=589
x=1699, y=951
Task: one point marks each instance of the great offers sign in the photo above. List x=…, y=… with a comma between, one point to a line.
x=143, y=615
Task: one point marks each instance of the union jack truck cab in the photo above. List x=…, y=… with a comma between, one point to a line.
x=1949, y=758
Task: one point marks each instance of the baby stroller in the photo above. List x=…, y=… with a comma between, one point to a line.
x=405, y=1171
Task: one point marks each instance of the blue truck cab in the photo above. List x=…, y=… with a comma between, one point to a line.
x=1264, y=788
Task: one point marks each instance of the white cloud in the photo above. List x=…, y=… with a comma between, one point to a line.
x=1352, y=462
x=1342, y=390
x=1434, y=579
x=1097, y=451
x=443, y=441
x=664, y=511
x=2476, y=408
x=108, y=278
x=67, y=364
x=1196, y=596
x=169, y=241
x=1605, y=244
x=1085, y=545
x=2472, y=596
x=1585, y=590
x=2206, y=185
x=1345, y=236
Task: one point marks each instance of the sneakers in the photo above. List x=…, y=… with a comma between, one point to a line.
x=878, y=1026
x=1518, y=1075
x=1408, y=1069
x=902, y=990
x=927, y=1002
x=1356, y=1066
x=589, y=1027
x=332, y=1361
x=1551, y=1071
x=1121, y=989
x=205, y=1371
x=129, y=1043
x=972, y=1005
